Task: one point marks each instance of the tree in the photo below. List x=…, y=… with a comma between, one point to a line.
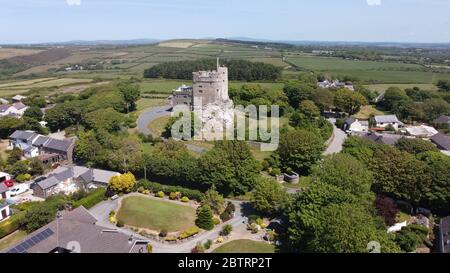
x=323, y=98
x=130, y=94
x=399, y=174
x=122, y=183
x=15, y=155
x=269, y=197
x=387, y=209
x=36, y=167
x=415, y=146
x=309, y=109
x=107, y=119
x=33, y=112
x=9, y=125
x=214, y=200
x=37, y=217
x=438, y=196
x=434, y=108
x=300, y=150
x=394, y=97
x=360, y=148
x=205, y=218
x=344, y=171
x=349, y=101
x=297, y=92
x=226, y=230
x=229, y=166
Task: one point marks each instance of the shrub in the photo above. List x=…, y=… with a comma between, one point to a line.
x=230, y=208
x=174, y=195
x=225, y=216
x=120, y=223
x=149, y=248
x=189, y=233
x=208, y=244
x=205, y=218
x=170, y=239
x=141, y=189
x=275, y=172
x=219, y=240
x=93, y=198
x=189, y=193
x=199, y=248
x=159, y=194
x=226, y=230
x=23, y=177
x=163, y=233
x=12, y=224
x=216, y=221
x=184, y=199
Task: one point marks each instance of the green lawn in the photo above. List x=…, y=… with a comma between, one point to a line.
x=380, y=88
x=366, y=111
x=157, y=125
x=245, y=246
x=143, y=212
x=11, y=239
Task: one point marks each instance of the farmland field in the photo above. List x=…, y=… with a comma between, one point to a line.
x=383, y=87
x=368, y=71
x=18, y=87
x=6, y=53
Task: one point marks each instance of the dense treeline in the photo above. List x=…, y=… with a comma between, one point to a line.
x=239, y=70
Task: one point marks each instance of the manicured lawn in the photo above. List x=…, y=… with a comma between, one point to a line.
x=12, y=239
x=143, y=212
x=145, y=103
x=245, y=246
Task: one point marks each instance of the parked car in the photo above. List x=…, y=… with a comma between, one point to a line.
x=19, y=189
x=9, y=183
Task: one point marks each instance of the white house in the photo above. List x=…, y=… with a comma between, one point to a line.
x=422, y=131
x=4, y=205
x=352, y=125
x=385, y=121
x=16, y=110
x=18, y=98
x=3, y=101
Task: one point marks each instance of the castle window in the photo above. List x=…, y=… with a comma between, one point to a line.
x=200, y=91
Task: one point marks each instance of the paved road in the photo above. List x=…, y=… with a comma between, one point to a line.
x=101, y=213
x=339, y=138
x=149, y=115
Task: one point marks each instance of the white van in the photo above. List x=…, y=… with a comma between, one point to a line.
x=19, y=189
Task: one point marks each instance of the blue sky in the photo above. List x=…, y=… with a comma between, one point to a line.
x=30, y=21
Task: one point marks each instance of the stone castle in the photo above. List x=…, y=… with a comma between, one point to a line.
x=208, y=95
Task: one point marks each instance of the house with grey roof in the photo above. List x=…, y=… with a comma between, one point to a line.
x=47, y=149
x=388, y=139
x=386, y=120
x=70, y=179
x=15, y=110
x=442, y=141
x=76, y=231
x=443, y=120
x=18, y=98
x=353, y=125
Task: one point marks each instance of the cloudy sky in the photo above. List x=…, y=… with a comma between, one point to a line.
x=29, y=21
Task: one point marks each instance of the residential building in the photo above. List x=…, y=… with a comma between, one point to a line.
x=442, y=141
x=18, y=98
x=352, y=125
x=336, y=84
x=47, y=149
x=386, y=120
x=389, y=139
x=422, y=131
x=442, y=120
x=181, y=95
x=76, y=231
x=15, y=110
x=4, y=177
x=3, y=101
x=4, y=204
x=444, y=235
x=70, y=179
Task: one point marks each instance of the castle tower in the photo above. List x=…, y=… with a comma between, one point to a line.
x=211, y=86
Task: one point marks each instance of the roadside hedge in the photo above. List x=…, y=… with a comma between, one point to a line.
x=167, y=189
x=93, y=198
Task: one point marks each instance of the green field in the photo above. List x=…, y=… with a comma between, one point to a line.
x=366, y=111
x=11, y=239
x=368, y=71
x=18, y=87
x=383, y=87
x=143, y=212
x=245, y=246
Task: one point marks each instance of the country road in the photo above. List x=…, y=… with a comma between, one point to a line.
x=338, y=140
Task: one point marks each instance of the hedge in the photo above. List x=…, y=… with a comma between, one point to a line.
x=167, y=189
x=189, y=233
x=93, y=198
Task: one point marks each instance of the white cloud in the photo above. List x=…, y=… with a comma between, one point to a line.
x=374, y=2
x=73, y=2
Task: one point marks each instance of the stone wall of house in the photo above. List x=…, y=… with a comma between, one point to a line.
x=211, y=86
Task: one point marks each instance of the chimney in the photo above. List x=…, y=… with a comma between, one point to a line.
x=130, y=240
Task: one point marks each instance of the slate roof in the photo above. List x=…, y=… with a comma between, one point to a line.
x=79, y=225
x=19, y=105
x=442, y=141
x=23, y=135
x=388, y=139
x=18, y=97
x=387, y=119
x=40, y=140
x=58, y=145
x=4, y=108
x=443, y=119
